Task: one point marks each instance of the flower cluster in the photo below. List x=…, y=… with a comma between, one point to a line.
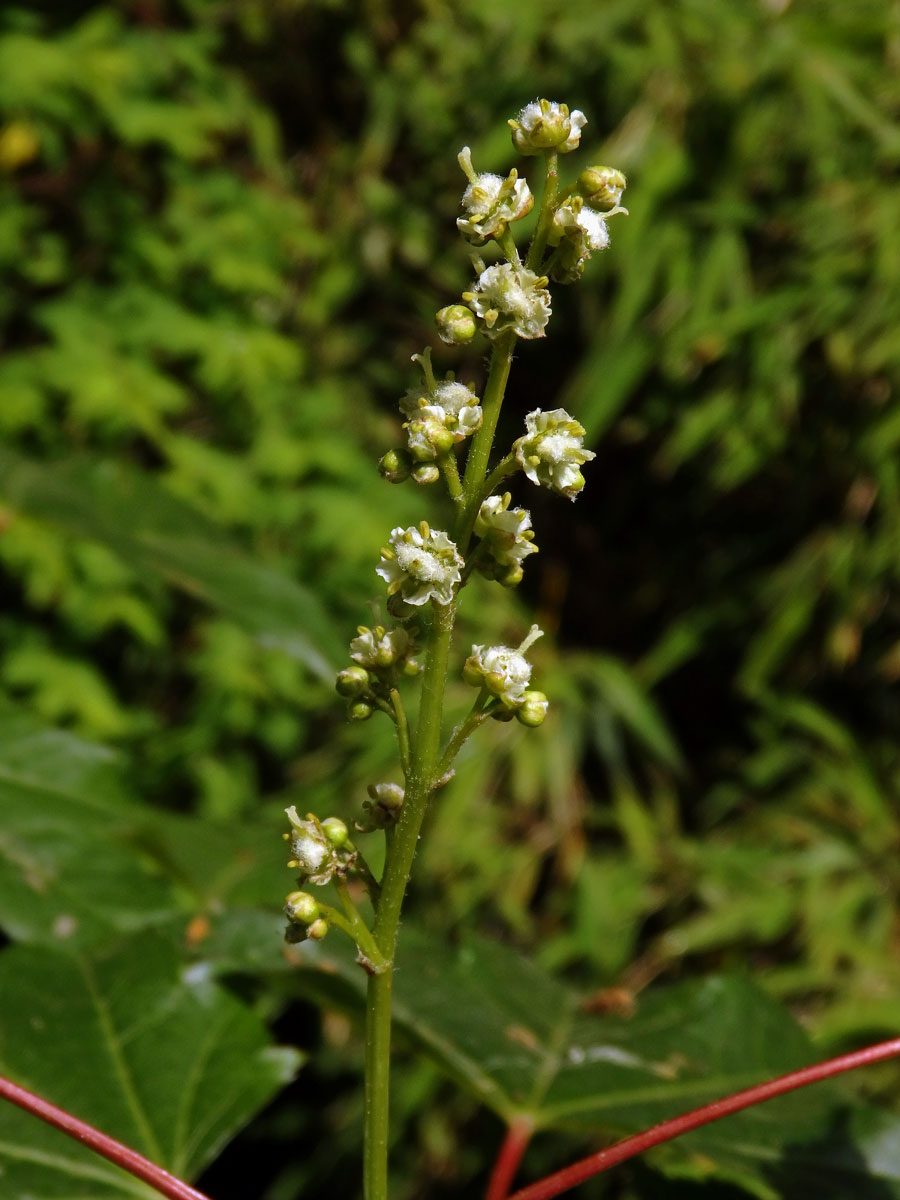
x=491, y=202
x=420, y=564
x=552, y=451
x=378, y=648
x=507, y=537
x=321, y=849
x=505, y=672
x=546, y=125
x=510, y=296
x=439, y=419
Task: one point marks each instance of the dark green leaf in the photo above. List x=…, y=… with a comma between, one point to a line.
x=161, y=1058
x=524, y=1043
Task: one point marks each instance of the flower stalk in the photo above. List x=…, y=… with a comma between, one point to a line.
x=425, y=569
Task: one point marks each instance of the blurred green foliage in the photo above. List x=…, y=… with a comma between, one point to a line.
x=224, y=228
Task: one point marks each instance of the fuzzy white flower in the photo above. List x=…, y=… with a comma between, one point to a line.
x=578, y=231
x=378, y=647
x=507, y=531
x=511, y=297
x=504, y=671
x=420, y=564
x=552, y=450
x=314, y=855
x=547, y=125
x=450, y=395
x=491, y=201
x=583, y=225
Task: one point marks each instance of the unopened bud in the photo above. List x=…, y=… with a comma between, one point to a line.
x=456, y=324
x=426, y=473
x=533, y=709
x=317, y=930
x=336, y=831
x=360, y=710
x=601, y=187
x=352, y=681
x=512, y=576
x=301, y=907
x=395, y=465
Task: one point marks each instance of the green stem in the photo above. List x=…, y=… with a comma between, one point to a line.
x=480, y=451
x=359, y=930
x=421, y=777
x=450, y=471
x=401, y=851
x=402, y=729
x=377, y=1086
x=461, y=734
x=549, y=203
x=507, y=466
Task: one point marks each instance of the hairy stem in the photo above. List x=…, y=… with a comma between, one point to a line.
x=423, y=757
x=401, y=851
x=480, y=452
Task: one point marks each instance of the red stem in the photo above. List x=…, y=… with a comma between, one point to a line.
x=121, y=1155
x=518, y=1135
x=595, y=1164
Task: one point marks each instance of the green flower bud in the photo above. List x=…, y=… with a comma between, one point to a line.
x=385, y=805
x=512, y=576
x=352, y=681
x=533, y=709
x=456, y=325
x=336, y=831
x=379, y=648
x=360, y=710
x=395, y=466
x=302, y=907
x=317, y=930
x=601, y=187
x=426, y=473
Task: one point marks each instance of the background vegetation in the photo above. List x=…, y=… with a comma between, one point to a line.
x=225, y=225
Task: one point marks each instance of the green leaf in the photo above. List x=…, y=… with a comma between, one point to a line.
x=162, y=1059
x=523, y=1043
x=157, y=533
x=619, y=691
x=65, y=872
x=31, y=755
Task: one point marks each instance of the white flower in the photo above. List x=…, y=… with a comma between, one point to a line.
x=578, y=231
x=547, y=125
x=507, y=530
x=552, y=450
x=428, y=434
x=491, y=201
x=505, y=672
x=580, y=223
x=440, y=415
x=378, y=647
x=314, y=855
x=421, y=564
x=511, y=297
